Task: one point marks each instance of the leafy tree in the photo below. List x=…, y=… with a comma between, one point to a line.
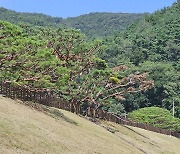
x=67, y=63
x=89, y=78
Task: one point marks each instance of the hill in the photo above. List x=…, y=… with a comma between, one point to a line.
x=102, y=24
x=155, y=38
x=93, y=24
x=35, y=19
x=24, y=129
x=151, y=45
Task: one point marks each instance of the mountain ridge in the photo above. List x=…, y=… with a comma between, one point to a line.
x=96, y=24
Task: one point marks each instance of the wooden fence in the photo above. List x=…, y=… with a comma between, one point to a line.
x=50, y=98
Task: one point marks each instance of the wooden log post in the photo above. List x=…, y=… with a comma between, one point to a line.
x=100, y=113
x=89, y=112
x=77, y=108
x=105, y=115
x=0, y=87
x=71, y=107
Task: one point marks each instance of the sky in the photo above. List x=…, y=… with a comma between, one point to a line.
x=72, y=8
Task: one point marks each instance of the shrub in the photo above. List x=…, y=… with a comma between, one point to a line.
x=157, y=117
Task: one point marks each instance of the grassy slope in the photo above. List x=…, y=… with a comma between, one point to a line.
x=25, y=130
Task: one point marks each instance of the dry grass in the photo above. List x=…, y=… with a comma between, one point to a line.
x=146, y=141
x=26, y=130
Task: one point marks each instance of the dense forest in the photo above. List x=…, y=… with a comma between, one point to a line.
x=93, y=24
x=138, y=66
x=102, y=24
x=151, y=45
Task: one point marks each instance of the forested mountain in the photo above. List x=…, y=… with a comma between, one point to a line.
x=155, y=38
x=151, y=45
x=102, y=24
x=35, y=19
x=93, y=24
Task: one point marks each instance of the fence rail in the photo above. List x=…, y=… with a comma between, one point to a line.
x=49, y=98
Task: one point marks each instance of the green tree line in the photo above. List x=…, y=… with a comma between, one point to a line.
x=93, y=24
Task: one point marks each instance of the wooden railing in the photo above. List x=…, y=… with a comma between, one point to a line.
x=50, y=98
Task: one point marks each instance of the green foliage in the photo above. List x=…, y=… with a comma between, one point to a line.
x=151, y=45
x=30, y=18
x=59, y=59
x=155, y=38
x=157, y=117
x=27, y=59
x=167, y=84
x=114, y=80
x=102, y=24
x=100, y=64
x=93, y=24
x=116, y=108
x=166, y=87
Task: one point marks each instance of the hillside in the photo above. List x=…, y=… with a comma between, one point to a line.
x=151, y=45
x=155, y=38
x=102, y=24
x=93, y=24
x=24, y=129
x=35, y=19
